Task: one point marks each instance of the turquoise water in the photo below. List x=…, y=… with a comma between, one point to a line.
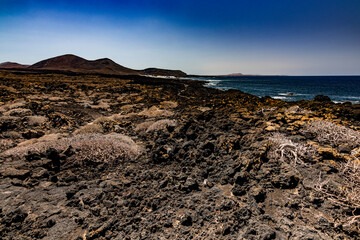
x=292, y=88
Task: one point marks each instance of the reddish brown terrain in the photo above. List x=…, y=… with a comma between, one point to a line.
x=72, y=63
x=77, y=64
x=89, y=156
x=12, y=65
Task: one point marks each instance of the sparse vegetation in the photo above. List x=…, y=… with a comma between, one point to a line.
x=348, y=194
x=10, y=106
x=284, y=149
x=144, y=126
x=11, y=135
x=36, y=120
x=330, y=133
x=88, y=147
x=169, y=104
x=155, y=112
x=5, y=144
x=18, y=112
x=89, y=128
x=161, y=124
x=297, y=110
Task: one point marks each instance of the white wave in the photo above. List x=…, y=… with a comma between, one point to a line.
x=352, y=102
x=352, y=97
x=212, y=82
x=224, y=88
x=287, y=94
x=279, y=97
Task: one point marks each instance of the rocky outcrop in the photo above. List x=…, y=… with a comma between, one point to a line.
x=214, y=164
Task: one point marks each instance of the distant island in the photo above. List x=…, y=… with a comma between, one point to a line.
x=234, y=74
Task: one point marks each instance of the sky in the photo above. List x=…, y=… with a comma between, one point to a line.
x=292, y=37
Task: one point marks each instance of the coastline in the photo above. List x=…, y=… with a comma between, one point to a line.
x=106, y=156
x=290, y=88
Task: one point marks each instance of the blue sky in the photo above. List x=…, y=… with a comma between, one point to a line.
x=295, y=37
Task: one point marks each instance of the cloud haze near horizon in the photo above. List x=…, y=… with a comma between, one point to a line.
x=299, y=37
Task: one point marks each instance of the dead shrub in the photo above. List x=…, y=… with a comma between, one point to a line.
x=45, y=138
x=155, y=112
x=102, y=120
x=144, y=126
x=120, y=117
x=5, y=144
x=161, y=125
x=36, y=120
x=89, y=128
x=169, y=104
x=265, y=112
x=5, y=90
x=9, y=119
x=10, y=106
x=18, y=112
x=333, y=134
x=283, y=149
x=88, y=148
x=297, y=110
x=12, y=135
x=19, y=104
x=347, y=196
x=103, y=104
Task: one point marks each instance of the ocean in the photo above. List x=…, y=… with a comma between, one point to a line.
x=291, y=88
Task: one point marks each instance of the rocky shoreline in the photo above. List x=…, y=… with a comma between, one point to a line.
x=108, y=157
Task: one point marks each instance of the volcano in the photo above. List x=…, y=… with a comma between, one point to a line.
x=74, y=63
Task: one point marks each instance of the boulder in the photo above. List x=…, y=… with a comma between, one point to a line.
x=321, y=98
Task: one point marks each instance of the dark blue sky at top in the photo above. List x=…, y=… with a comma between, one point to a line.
x=253, y=36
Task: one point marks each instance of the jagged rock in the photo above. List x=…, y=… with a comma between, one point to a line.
x=186, y=219
x=330, y=153
x=33, y=134
x=258, y=193
x=287, y=178
x=39, y=172
x=238, y=190
x=190, y=185
x=241, y=178
x=15, y=173
x=344, y=148
x=321, y=98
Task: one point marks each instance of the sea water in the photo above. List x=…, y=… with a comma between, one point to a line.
x=291, y=88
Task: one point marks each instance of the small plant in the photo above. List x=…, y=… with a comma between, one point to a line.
x=18, y=112
x=161, y=124
x=333, y=134
x=102, y=120
x=284, y=149
x=11, y=135
x=265, y=112
x=36, y=120
x=5, y=144
x=143, y=126
x=155, y=112
x=88, y=148
x=89, y=128
x=297, y=110
x=169, y=104
x=347, y=196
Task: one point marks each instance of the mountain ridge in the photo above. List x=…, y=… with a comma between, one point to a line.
x=70, y=62
x=73, y=63
x=12, y=65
